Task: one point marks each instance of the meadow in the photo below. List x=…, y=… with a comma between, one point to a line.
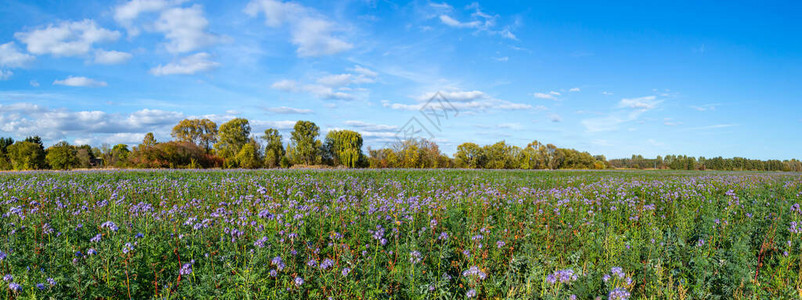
x=401, y=234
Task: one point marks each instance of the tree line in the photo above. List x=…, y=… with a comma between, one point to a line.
x=683, y=162
x=200, y=143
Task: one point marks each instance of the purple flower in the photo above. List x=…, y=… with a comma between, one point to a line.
x=91, y=251
x=51, y=281
x=2, y=255
x=471, y=293
x=474, y=271
x=186, y=269
x=618, y=271
x=109, y=225
x=618, y=293
x=273, y=273
x=96, y=238
x=500, y=244
x=327, y=263
x=14, y=287
x=41, y=286
x=8, y=278
x=299, y=281
x=346, y=271
x=127, y=248
x=311, y=263
x=278, y=263
x=415, y=257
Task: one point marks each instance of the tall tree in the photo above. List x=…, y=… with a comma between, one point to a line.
x=119, y=155
x=62, y=156
x=149, y=140
x=344, y=147
x=25, y=155
x=274, y=150
x=248, y=157
x=201, y=132
x=469, y=155
x=305, y=143
x=232, y=136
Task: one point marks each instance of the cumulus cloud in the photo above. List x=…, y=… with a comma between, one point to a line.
x=199, y=62
x=66, y=38
x=11, y=57
x=80, y=81
x=26, y=119
x=312, y=33
x=334, y=86
x=111, y=57
x=288, y=110
x=184, y=28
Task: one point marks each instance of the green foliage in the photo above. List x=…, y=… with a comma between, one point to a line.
x=248, y=157
x=62, y=156
x=401, y=234
x=274, y=150
x=233, y=135
x=201, y=132
x=173, y=155
x=26, y=155
x=305, y=145
x=344, y=148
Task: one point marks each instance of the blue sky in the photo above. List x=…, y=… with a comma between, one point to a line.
x=677, y=77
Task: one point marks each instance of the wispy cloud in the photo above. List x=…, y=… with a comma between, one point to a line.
x=288, y=110
x=627, y=110
x=192, y=64
x=80, y=81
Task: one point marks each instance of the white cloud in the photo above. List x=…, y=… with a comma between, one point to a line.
x=555, y=118
x=126, y=13
x=66, y=38
x=25, y=119
x=462, y=101
x=111, y=57
x=80, y=81
x=335, y=86
x=705, y=107
x=34, y=83
x=185, y=29
x=260, y=126
x=199, y=62
x=576, y=89
x=629, y=110
x=370, y=126
x=310, y=32
x=364, y=71
x=454, y=23
x=606, y=93
x=549, y=96
x=288, y=110
x=10, y=56
x=642, y=103
x=5, y=74
x=285, y=85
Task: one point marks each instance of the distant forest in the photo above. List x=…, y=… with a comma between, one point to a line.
x=200, y=143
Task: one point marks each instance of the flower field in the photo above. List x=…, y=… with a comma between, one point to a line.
x=398, y=234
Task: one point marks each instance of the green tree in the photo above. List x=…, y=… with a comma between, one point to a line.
x=232, y=136
x=274, y=151
x=344, y=147
x=85, y=156
x=26, y=155
x=119, y=156
x=201, y=132
x=5, y=163
x=305, y=143
x=469, y=155
x=149, y=140
x=62, y=156
x=248, y=156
